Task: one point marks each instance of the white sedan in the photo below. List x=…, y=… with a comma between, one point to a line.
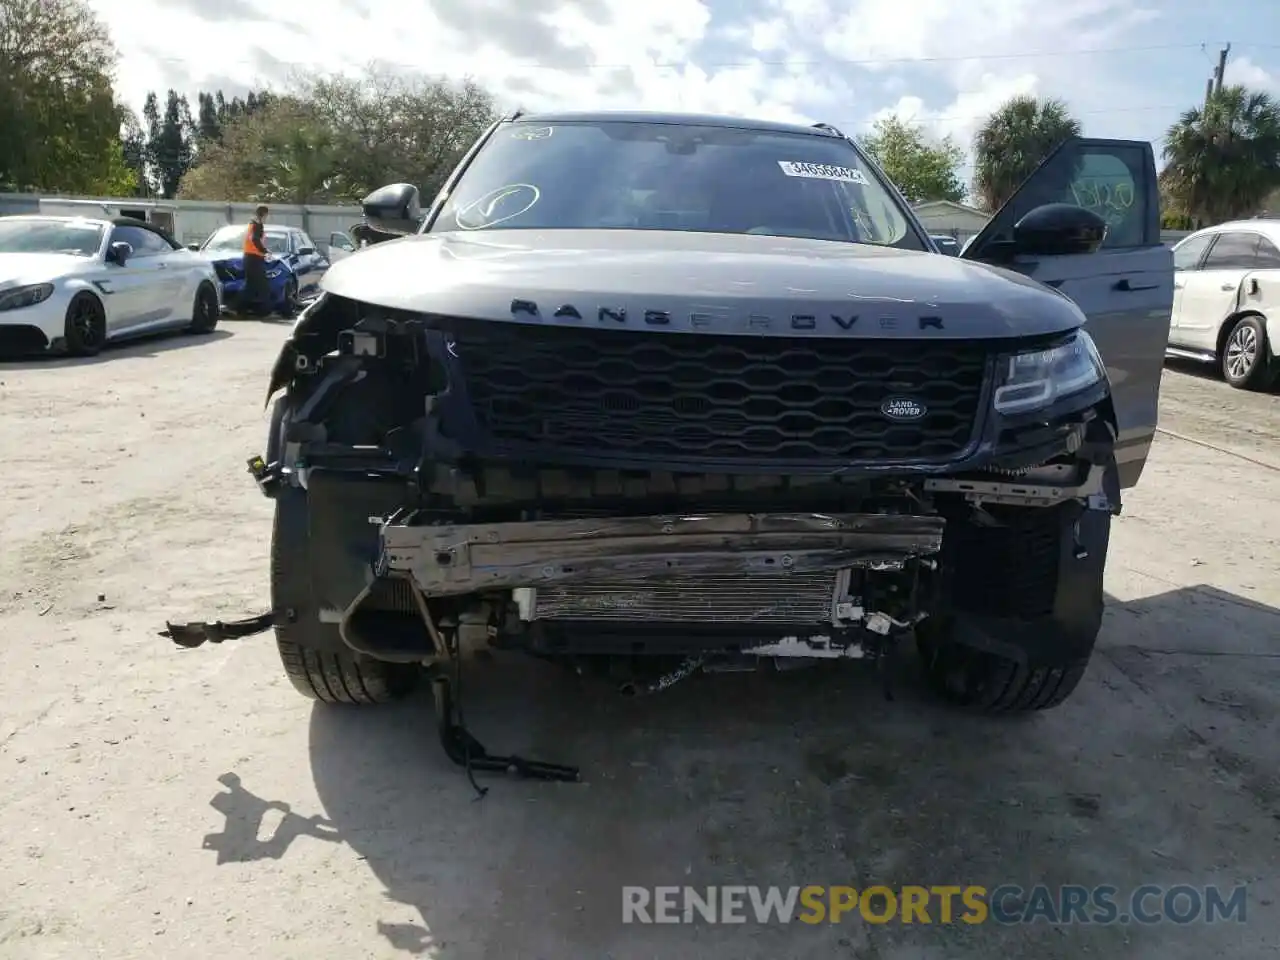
x=72, y=284
x=1226, y=300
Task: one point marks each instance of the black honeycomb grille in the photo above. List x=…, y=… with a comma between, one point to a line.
x=703, y=396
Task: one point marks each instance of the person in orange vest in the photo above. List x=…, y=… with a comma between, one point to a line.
x=257, y=294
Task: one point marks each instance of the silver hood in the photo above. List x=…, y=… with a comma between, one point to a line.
x=706, y=282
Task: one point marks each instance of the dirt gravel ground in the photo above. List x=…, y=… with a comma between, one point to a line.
x=160, y=803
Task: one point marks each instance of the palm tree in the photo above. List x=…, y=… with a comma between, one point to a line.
x=1223, y=159
x=1013, y=142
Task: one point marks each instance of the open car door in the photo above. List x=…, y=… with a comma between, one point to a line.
x=1124, y=288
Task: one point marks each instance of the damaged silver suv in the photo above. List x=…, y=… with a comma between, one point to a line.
x=666, y=392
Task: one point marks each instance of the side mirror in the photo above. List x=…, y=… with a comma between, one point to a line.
x=1059, y=229
x=394, y=209
x=193, y=247
x=306, y=251
x=119, y=252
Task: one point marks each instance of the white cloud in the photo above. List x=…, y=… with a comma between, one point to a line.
x=943, y=63
x=1244, y=71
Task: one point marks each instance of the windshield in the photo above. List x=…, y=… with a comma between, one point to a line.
x=232, y=238
x=660, y=176
x=50, y=236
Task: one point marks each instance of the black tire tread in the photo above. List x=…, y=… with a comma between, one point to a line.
x=340, y=678
x=196, y=326
x=318, y=673
x=986, y=683
x=76, y=349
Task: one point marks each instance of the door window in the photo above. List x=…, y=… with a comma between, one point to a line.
x=1113, y=178
x=1110, y=184
x=144, y=242
x=1268, y=255
x=341, y=241
x=1233, y=251
x=1187, y=255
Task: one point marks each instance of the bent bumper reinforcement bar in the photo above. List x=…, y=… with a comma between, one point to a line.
x=458, y=559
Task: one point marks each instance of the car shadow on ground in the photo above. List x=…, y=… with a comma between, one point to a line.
x=810, y=777
x=150, y=346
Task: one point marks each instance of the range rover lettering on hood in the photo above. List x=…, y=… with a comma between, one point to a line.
x=707, y=319
x=674, y=283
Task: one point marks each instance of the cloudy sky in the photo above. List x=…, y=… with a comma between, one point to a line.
x=1126, y=67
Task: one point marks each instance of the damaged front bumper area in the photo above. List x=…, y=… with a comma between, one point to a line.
x=782, y=584
x=468, y=559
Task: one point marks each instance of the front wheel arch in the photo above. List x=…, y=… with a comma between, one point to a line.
x=1229, y=324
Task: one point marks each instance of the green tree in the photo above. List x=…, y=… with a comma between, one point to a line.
x=171, y=141
x=921, y=169
x=208, y=124
x=391, y=129
x=335, y=139
x=1014, y=141
x=1223, y=159
x=60, y=120
x=281, y=153
x=133, y=142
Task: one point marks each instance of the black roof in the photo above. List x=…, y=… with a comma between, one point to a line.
x=134, y=222
x=678, y=119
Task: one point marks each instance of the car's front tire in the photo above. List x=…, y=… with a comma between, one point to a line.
x=205, y=310
x=987, y=682
x=1023, y=610
x=316, y=661
x=85, y=330
x=289, y=304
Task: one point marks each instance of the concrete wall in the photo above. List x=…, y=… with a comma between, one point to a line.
x=190, y=221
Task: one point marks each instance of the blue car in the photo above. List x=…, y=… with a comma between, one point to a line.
x=293, y=270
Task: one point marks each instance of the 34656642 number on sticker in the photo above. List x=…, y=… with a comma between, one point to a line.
x=823, y=171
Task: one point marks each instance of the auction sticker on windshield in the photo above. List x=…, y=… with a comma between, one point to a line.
x=823, y=171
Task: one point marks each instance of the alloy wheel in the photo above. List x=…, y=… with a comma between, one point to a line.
x=1242, y=351
x=84, y=320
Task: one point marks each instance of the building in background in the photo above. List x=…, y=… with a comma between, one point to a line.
x=947, y=218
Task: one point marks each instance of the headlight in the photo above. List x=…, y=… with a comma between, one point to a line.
x=272, y=274
x=25, y=296
x=1033, y=380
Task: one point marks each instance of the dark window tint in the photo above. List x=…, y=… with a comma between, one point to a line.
x=1187, y=255
x=666, y=176
x=144, y=242
x=1233, y=251
x=1268, y=255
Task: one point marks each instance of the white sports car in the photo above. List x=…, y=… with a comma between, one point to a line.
x=72, y=284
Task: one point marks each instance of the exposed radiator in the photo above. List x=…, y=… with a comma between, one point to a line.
x=785, y=599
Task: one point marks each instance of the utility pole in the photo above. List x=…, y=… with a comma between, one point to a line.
x=1215, y=85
